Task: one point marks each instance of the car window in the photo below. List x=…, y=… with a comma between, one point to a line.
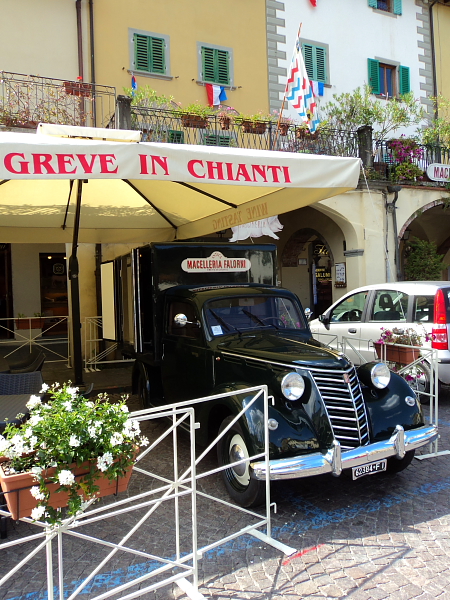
x=350, y=309
x=389, y=305
x=423, y=309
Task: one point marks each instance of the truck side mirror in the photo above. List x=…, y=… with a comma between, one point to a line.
x=180, y=320
x=325, y=320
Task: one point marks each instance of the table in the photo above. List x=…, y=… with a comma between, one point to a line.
x=10, y=406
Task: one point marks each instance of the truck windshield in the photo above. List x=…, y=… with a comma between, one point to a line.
x=227, y=315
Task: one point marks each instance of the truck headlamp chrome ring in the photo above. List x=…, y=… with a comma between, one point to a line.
x=293, y=386
x=380, y=375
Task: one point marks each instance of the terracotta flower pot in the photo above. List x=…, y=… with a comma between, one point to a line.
x=195, y=121
x=35, y=323
x=397, y=354
x=78, y=88
x=283, y=128
x=258, y=127
x=16, y=488
x=225, y=123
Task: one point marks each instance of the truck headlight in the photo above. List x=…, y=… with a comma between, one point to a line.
x=375, y=375
x=293, y=386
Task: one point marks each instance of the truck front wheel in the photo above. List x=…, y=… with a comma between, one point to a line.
x=242, y=488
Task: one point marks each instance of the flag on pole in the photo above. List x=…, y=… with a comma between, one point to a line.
x=299, y=91
x=134, y=85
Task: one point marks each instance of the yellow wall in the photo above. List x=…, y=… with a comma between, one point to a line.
x=39, y=38
x=237, y=24
x=441, y=21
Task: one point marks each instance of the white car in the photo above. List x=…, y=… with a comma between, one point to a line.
x=357, y=319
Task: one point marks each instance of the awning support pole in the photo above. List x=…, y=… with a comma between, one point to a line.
x=75, y=294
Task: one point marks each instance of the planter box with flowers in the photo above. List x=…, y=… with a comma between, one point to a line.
x=388, y=348
x=70, y=451
x=256, y=123
x=194, y=115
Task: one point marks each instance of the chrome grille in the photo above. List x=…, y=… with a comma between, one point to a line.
x=345, y=405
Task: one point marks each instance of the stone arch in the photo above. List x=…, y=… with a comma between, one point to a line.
x=418, y=213
x=295, y=244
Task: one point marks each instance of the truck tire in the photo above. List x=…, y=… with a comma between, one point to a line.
x=143, y=391
x=395, y=465
x=242, y=488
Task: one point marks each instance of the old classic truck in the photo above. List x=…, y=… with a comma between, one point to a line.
x=202, y=319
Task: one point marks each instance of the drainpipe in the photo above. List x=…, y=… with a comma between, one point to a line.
x=433, y=54
x=91, y=39
x=391, y=208
x=79, y=39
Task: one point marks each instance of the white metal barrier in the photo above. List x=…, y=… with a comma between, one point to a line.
x=183, y=564
x=26, y=332
x=93, y=356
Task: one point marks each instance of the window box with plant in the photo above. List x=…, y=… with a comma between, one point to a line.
x=256, y=123
x=194, y=115
x=70, y=451
x=392, y=343
x=35, y=322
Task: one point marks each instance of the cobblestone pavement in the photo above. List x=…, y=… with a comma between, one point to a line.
x=382, y=536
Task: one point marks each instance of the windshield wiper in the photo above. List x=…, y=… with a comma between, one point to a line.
x=222, y=322
x=256, y=319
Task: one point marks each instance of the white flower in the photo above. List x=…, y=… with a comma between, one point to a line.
x=28, y=433
x=92, y=431
x=66, y=477
x=124, y=408
x=116, y=439
x=32, y=442
x=74, y=441
x=37, y=512
x=4, y=444
x=68, y=405
x=103, y=462
x=36, y=471
x=35, y=419
x=44, y=388
x=89, y=404
x=36, y=493
x=33, y=402
x=72, y=391
x=144, y=441
x=131, y=428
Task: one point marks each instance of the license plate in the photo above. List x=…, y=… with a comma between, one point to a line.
x=369, y=469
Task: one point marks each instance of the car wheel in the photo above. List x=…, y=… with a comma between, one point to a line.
x=418, y=378
x=395, y=465
x=144, y=391
x=242, y=488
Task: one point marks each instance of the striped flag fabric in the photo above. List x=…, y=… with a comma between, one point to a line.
x=299, y=91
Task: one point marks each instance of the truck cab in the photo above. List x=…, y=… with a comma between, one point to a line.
x=208, y=320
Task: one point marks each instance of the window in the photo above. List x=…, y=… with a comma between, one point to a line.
x=350, y=309
x=175, y=137
x=215, y=64
x=388, y=79
x=217, y=139
x=316, y=61
x=149, y=53
x=423, y=310
x=391, y=6
x=389, y=305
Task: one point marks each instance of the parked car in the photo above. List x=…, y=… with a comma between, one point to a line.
x=359, y=316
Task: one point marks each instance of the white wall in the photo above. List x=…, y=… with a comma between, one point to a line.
x=354, y=33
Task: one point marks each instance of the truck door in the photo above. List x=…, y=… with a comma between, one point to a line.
x=186, y=368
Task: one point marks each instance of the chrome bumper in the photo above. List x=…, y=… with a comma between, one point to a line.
x=334, y=461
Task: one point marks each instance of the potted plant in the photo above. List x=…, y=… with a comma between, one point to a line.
x=256, y=123
x=194, y=115
x=284, y=124
x=71, y=450
x=390, y=338
x=226, y=116
x=35, y=322
x=407, y=172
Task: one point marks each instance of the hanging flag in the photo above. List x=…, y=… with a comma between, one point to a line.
x=299, y=91
x=134, y=85
x=223, y=94
x=213, y=92
x=257, y=229
x=317, y=88
x=313, y=2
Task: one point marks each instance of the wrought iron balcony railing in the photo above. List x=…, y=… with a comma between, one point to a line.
x=26, y=100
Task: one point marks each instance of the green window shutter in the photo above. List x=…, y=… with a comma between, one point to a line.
x=157, y=55
x=141, y=53
x=397, y=7
x=149, y=54
x=404, y=80
x=213, y=139
x=175, y=137
x=315, y=58
x=374, y=75
x=215, y=65
x=373, y=3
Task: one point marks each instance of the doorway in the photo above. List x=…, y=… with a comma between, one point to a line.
x=6, y=298
x=54, y=301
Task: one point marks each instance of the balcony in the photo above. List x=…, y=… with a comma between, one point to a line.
x=26, y=100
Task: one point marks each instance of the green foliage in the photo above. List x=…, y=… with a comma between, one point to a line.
x=423, y=262
x=201, y=110
x=70, y=430
x=147, y=97
x=352, y=110
x=438, y=131
x=407, y=171
x=259, y=117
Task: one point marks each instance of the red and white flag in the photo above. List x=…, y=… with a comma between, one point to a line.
x=213, y=92
x=299, y=91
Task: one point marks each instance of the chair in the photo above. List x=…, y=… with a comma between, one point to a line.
x=28, y=362
x=388, y=311
x=20, y=383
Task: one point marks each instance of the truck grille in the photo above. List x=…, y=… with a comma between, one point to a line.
x=345, y=405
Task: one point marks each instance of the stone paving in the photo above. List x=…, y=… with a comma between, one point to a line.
x=383, y=536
